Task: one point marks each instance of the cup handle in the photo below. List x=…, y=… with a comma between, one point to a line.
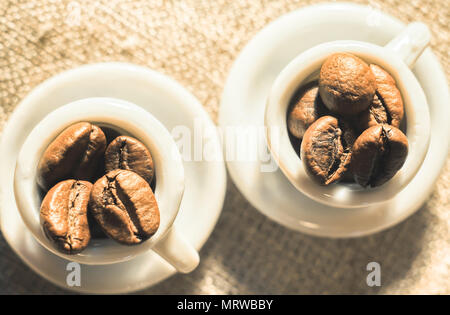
x=411, y=42
x=177, y=251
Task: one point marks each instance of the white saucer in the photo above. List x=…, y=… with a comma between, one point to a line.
x=245, y=95
x=172, y=105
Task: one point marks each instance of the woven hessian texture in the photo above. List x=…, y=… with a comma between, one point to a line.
x=196, y=42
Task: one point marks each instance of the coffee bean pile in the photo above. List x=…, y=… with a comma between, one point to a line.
x=89, y=181
x=348, y=123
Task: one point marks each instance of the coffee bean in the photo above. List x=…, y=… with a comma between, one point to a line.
x=346, y=84
x=308, y=107
x=347, y=177
x=389, y=95
x=326, y=149
x=75, y=153
x=374, y=115
x=377, y=154
x=127, y=153
x=64, y=215
x=124, y=206
x=387, y=105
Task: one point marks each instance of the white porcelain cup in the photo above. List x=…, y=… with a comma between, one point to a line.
x=397, y=57
x=129, y=119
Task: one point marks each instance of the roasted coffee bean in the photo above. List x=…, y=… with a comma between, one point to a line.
x=389, y=94
x=124, y=206
x=374, y=115
x=64, y=215
x=308, y=107
x=377, y=154
x=347, y=177
x=127, y=153
x=326, y=149
x=387, y=105
x=346, y=84
x=75, y=153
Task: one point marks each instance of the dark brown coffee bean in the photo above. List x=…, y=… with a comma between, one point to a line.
x=347, y=177
x=75, y=153
x=346, y=84
x=124, y=206
x=64, y=215
x=308, y=107
x=374, y=115
x=127, y=153
x=389, y=94
x=326, y=149
x=387, y=105
x=377, y=154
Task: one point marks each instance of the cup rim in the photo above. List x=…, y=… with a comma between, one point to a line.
x=297, y=73
x=125, y=116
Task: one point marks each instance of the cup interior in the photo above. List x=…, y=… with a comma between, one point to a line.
x=115, y=117
x=304, y=69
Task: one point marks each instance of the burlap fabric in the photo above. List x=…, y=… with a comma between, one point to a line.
x=196, y=42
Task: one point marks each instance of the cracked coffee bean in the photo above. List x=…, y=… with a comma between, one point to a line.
x=387, y=105
x=346, y=84
x=377, y=155
x=75, y=153
x=389, y=95
x=63, y=215
x=124, y=206
x=307, y=109
x=374, y=115
x=127, y=153
x=326, y=149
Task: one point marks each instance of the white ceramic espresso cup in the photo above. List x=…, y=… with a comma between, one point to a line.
x=397, y=57
x=129, y=119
